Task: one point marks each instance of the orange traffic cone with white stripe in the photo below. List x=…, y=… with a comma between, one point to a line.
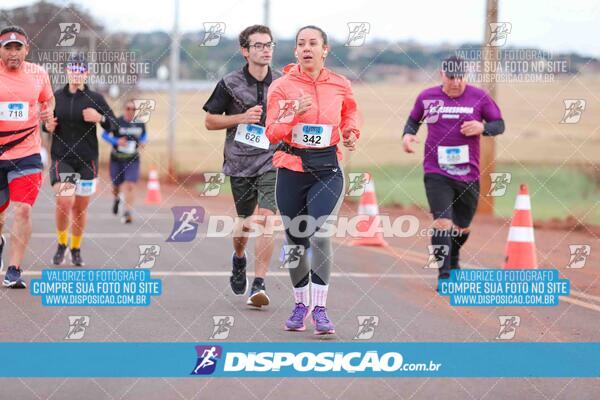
x=153, y=188
x=520, y=248
x=369, y=211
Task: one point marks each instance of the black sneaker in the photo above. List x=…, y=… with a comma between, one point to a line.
x=238, y=280
x=12, y=279
x=258, y=295
x=127, y=218
x=444, y=275
x=1, y=250
x=59, y=256
x=116, y=203
x=441, y=278
x=76, y=258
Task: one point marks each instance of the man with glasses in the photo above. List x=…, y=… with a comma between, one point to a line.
x=238, y=104
x=25, y=99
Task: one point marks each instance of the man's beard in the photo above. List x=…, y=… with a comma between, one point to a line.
x=13, y=64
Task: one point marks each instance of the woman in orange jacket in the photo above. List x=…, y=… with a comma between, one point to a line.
x=309, y=110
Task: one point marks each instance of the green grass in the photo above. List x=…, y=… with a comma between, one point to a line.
x=556, y=192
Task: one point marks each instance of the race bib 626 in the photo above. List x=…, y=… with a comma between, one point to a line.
x=252, y=135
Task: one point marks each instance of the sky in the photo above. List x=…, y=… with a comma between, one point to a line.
x=553, y=25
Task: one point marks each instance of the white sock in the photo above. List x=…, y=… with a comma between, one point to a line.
x=301, y=295
x=319, y=294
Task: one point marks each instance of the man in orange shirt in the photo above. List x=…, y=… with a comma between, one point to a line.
x=25, y=98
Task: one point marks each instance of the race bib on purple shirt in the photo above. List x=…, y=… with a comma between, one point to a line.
x=444, y=116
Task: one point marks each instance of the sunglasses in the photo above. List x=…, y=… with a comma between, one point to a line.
x=77, y=68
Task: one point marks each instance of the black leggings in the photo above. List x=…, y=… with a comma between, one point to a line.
x=311, y=194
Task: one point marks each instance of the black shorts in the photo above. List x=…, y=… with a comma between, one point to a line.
x=87, y=169
x=452, y=199
x=250, y=191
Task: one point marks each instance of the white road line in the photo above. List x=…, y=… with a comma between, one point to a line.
x=578, y=301
x=590, y=304
x=585, y=295
x=98, y=216
x=354, y=275
x=211, y=274
x=574, y=292
x=104, y=235
x=581, y=303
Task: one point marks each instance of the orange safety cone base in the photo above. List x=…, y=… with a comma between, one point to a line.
x=368, y=208
x=374, y=241
x=520, y=256
x=153, y=196
x=520, y=246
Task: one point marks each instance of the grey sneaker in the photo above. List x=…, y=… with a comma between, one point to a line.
x=76, y=258
x=258, y=295
x=59, y=256
x=12, y=279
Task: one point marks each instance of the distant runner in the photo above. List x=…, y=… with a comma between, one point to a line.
x=127, y=142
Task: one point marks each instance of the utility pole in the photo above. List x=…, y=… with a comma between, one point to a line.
x=92, y=51
x=267, y=13
x=174, y=76
x=487, y=156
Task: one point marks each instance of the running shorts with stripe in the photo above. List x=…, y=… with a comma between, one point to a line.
x=20, y=180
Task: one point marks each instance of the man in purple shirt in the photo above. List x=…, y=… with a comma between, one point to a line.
x=456, y=115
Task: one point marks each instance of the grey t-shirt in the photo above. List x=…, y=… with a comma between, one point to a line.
x=234, y=94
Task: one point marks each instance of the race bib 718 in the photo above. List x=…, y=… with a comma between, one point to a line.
x=14, y=111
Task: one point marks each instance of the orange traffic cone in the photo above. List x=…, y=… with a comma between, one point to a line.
x=367, y=207
x=520, y=248
x=153, y=188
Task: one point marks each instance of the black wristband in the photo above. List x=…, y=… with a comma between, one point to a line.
x=493, y=128
x=411, y=127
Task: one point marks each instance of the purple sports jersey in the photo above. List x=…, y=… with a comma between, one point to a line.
x=447, y=151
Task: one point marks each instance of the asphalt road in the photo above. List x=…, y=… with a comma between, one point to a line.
x=389, y=283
